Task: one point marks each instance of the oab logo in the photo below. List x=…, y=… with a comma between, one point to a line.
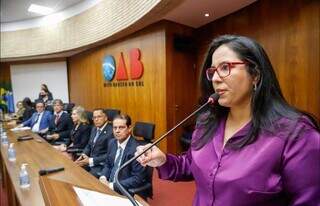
x=110, y=70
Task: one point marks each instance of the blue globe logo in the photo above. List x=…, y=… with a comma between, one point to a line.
x=109, y=68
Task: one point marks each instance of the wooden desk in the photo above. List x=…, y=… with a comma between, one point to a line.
x=38, y=156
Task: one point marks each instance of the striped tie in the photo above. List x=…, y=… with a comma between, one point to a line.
x=116, y=164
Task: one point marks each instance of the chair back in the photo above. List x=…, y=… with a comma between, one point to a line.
x=49, y=108
x=68, y=107
x=144, y=130
x=89, y=117
x=111, y=113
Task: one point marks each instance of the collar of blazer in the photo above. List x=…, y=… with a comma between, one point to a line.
x=61, y=114
x=103, y=128
x=127, y=149
x=103, y=131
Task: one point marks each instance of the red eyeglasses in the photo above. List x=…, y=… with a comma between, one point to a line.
x=222, y=69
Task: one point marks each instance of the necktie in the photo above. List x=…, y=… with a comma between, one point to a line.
x=56, y=119
x=36, y=120
x=116, y=164
x=97, y=135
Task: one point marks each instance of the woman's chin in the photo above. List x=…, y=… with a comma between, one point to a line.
x=223, y=102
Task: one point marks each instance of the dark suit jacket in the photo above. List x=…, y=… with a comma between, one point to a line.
x=63, y=127
x=27, y=114
x=132, y=176
x=44, y=122
x=80, y=136
x=98, y=150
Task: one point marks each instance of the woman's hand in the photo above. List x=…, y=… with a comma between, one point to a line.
x=153, y=157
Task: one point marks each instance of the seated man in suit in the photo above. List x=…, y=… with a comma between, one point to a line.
x=60, y=125
x=95, y=153
x=120, y=150
x=40, y=120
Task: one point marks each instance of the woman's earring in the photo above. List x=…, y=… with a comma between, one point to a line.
x=254, y=87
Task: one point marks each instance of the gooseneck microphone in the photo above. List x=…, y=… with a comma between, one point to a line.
x=212, y=99
x=49, y=171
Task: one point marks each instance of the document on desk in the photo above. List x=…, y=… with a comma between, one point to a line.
x=93, y=198
x=20, y=129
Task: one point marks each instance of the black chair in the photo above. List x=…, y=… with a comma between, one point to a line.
x=68, y=107
x=49, y=108
x=89, y=115
x=111, y=113
x=146, y=131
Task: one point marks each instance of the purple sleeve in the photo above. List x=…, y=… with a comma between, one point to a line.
x=301, y=167
x=176, y=168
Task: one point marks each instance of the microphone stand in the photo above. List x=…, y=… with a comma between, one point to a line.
x=211, y=100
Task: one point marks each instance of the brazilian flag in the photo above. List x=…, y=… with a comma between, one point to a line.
x=3, y=104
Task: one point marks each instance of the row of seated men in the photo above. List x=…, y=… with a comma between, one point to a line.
x=104, y=146
x=26, y=108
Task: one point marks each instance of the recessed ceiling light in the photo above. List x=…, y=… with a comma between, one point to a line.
x=206, y=14
x=40, y=9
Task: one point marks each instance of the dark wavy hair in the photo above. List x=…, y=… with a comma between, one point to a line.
x=26, y=102
x=124, y=117
x=267, y=102
x=45, y=88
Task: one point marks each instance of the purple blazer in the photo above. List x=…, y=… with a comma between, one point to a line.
x=279, y=168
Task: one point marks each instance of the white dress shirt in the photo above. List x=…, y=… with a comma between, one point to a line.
x=36, y=126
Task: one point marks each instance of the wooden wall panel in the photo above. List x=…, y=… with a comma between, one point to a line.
x=169, y=80
x=181, y=81
x=289, y=32
x=147, y=103
x=5, y=72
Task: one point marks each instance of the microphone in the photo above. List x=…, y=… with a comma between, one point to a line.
x=211, y=100
x=49, y=171
x=24, y=138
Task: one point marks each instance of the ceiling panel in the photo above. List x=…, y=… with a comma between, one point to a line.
x=16, y=10
x=191, y=12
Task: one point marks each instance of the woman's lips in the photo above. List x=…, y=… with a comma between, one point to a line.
x=220, y=91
